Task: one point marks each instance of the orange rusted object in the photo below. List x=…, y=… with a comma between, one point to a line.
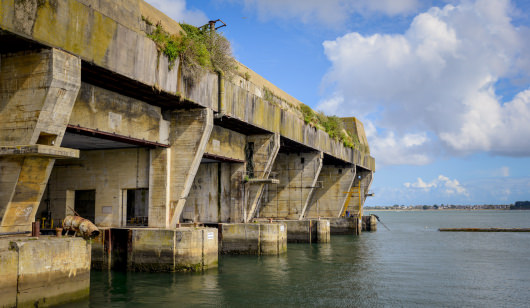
x=80, y=225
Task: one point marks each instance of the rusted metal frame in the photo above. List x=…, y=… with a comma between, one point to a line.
x=113, y=136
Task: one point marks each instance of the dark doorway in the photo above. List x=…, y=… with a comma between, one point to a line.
x=137, y=207
x=85, y=204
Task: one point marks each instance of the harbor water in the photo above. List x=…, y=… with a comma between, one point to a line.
x=412, y=265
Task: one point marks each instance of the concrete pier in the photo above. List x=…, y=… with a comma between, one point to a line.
x=156, y=250
x=253, y=238
x=44, y=271
x=308, y=231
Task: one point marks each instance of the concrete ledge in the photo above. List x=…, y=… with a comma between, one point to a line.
x=308, y=231
x=253, y=238
x=264, y=181
x=39, y=150
x=43, y=272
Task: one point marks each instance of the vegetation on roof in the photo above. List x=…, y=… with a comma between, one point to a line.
x=332, y=125
x=198, y=49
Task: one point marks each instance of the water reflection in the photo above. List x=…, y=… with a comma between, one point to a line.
x=406, y=267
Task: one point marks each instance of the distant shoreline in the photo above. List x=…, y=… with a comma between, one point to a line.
x=433, y=210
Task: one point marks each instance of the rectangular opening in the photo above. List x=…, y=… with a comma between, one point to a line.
x=46, y=139
x=85, y=204
x=137, y=207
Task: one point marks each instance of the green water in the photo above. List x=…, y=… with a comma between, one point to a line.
x=413, y=265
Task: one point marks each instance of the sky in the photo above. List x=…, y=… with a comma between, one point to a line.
x=442, y=86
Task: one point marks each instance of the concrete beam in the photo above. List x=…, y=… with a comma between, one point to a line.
x=39, y=150
x=37, y=94
x=106, y=111
x=328, y=200
x=297, y=173
x=265, y=149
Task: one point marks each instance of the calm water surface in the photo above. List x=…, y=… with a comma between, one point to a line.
x=413, y=265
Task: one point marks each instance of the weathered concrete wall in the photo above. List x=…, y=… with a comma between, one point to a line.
x=308, y=231
x=328, y=200
x=43, y=272
x=343, y=225
x=226, y=143
x=250, y=107
x=253, y=238
x=156, y=250
x=106, y=33
x=173, y=170
x=203, y=203
x=216, y=195
x=265, y=149
x=37, y=92
x=107, y=111
x=8, y=274
x=109, y=172
x=297, y=173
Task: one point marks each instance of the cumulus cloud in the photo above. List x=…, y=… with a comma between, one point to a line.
x=327, y=13
x=437, y=79
x=176, y=9
x=443, y=183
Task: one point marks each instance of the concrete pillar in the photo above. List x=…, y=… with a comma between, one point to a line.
x=363, y=180
x=308, y=231
x=43, y=272
x=265, y=150
x=328, y=200
x=297, y=173
x=253, y=238
x=173, y=170
x=37, y=93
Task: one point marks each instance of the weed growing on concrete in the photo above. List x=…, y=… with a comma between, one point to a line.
x=332, y=125
x=198, y=49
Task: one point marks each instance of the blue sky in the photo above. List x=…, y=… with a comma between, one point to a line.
x=442, y=87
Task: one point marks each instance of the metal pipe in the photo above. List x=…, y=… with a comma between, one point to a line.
x=35, y=229
x=79, y=224
x=15, y=233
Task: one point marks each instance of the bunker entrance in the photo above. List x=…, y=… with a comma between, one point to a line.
x=85, y=204
x=137, y=207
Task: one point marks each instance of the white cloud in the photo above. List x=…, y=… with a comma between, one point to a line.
x=438, y=80
x=443, y=183
x=176, y=9
x=390, y=149
x=332, y=13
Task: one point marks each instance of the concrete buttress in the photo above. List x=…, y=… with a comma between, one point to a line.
x=328, y=200
x=296, y=173
x=37, y=92
x=265, y=151
x=173, y=170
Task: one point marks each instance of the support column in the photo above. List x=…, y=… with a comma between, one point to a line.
x=296, y=173
x=363, y=181
x=328, y=200
x=37, y=94
x=313, y=186
x=173, y=169
x=265, y=149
